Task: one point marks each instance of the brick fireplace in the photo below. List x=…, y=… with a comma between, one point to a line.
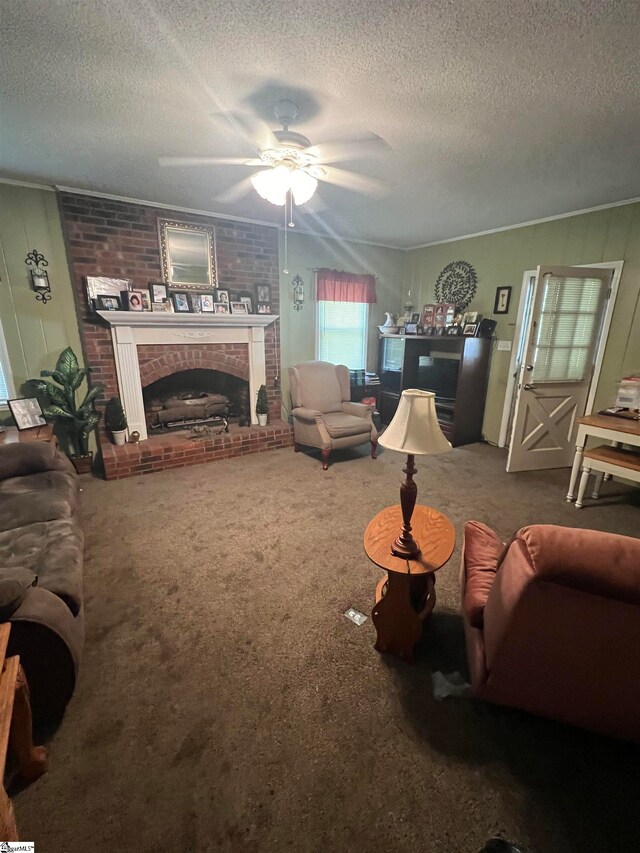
x=119, y=239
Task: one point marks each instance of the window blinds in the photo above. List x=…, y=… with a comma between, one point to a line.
x=567, y=328
x=342, y=333
x=4, y=390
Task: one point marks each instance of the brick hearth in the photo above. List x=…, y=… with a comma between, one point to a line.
x=178, y=449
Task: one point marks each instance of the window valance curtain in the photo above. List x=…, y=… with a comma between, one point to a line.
x=337, y=286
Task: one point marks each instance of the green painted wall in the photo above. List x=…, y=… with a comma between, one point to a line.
x=500, y=259
x=298, y=328
x=35, y=334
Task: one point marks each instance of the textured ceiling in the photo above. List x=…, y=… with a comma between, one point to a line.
x=494, y=112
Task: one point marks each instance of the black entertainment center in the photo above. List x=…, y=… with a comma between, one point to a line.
x=455, y=368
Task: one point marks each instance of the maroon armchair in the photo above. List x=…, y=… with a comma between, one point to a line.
x=552, y=624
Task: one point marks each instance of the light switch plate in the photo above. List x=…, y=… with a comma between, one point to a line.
x=504, y=346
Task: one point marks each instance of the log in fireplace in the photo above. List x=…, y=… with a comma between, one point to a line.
x=196, y=397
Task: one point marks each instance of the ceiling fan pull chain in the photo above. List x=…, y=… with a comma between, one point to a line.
x=286, y=248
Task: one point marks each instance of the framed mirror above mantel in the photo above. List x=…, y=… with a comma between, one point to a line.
x=188, y=255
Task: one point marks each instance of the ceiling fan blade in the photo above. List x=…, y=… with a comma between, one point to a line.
x=252, y=129
x=235, y=191
x=349, y=180
x=207, y=161
x=353, y=149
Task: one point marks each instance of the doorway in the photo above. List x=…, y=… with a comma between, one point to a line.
x=561, y=333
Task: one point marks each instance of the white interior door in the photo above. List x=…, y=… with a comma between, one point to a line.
x=555, y=373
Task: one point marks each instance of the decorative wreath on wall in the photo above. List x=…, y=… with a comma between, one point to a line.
x=457, y=284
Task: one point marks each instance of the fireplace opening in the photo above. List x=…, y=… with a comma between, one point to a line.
x=196, y=397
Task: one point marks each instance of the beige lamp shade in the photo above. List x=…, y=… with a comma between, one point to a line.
x=415, y=428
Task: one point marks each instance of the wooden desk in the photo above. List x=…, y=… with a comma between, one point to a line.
x=406, y=597
x=615, y=430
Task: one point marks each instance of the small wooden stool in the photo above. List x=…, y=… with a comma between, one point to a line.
x=15, y=729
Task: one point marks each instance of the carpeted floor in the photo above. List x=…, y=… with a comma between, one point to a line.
x=225, y=703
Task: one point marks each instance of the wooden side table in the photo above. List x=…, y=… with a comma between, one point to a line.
x=406, y=597
x=12, y=435
x=15, y=729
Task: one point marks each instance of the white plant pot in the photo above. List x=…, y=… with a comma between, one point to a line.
x=119, y=436
x=262, y=420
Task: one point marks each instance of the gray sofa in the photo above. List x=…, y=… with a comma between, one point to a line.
x=40, y=534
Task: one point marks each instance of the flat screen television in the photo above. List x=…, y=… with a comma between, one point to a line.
x=439, y=375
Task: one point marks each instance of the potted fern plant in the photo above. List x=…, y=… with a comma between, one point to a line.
x=78, y=420
x=262, y=405
x=115, y=420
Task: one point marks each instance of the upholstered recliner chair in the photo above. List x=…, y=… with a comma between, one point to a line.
x=552, y=622
x=323, y=414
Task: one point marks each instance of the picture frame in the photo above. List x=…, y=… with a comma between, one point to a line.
x=181, y=304
x=239, y=308
x=158, y=292
x=146, y=300
x=221, y=308
x=248, y=303
x=196, y=303
x=263, y=293
x=264, y=308
x=415, y=319
x=411, y=328
x=470, y=317
x=132, y=300
x=222, y=296
x=187, y=255
x=502, y=300
x=207, y=303
x=470, y=330
x=108, y=302
x=26, y=412
x=98, y=285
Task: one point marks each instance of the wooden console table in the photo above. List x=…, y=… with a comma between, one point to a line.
x=406, y=597
x=15, y=729
x=615, y=430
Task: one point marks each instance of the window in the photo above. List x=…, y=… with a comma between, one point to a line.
x=568, y=327
x=342, y=333
x=6, y=382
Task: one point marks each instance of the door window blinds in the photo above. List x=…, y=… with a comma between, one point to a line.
x=568, y=328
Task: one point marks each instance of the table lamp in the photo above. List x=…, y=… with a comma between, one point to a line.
x=415, y=431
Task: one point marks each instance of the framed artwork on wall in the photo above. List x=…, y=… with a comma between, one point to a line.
x=503, y=298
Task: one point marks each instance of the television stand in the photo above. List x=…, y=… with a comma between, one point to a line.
x=401, y=365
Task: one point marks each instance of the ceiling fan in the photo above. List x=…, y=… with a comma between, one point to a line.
x=291, y=165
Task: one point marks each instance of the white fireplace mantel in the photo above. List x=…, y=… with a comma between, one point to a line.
x=131, y=328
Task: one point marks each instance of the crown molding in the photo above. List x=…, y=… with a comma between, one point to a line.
x=14, y=183
x=162, y=206
x=526, y=224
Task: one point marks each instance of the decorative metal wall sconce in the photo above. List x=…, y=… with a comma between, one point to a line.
x=298, y=293
x=39, y=276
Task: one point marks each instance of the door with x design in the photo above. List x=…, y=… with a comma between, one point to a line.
x=561, y=338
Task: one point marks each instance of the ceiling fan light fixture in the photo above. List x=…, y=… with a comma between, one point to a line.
x=274, y=184
x=303, y=186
